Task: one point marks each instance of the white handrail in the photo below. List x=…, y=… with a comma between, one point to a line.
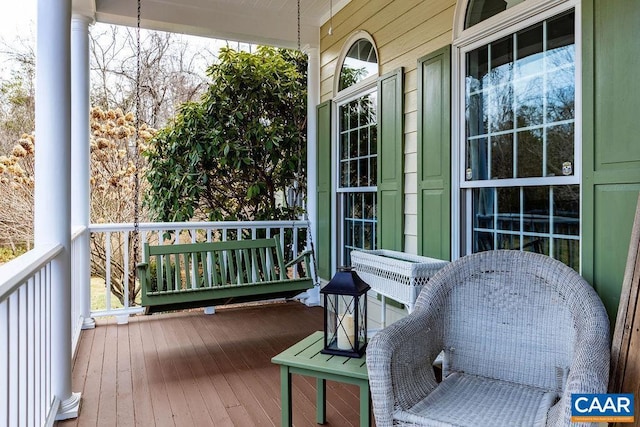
x=172, y=226
x=17, y=271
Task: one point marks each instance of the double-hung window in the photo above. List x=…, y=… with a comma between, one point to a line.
x=519, y=168
x=356, y=145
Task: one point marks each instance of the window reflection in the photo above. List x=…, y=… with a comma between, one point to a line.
x=479, y=10
x=361, y=62
x=520, y=126
x=520, y=98
x=542, y=219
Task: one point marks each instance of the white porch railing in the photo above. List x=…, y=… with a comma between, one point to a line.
x=116, y=243
x=26, y=397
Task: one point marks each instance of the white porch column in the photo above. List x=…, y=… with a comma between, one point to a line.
x=313, y=99
x=52, y=220
x=80, y=161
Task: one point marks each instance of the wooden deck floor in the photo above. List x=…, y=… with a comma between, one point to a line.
x=190, y=369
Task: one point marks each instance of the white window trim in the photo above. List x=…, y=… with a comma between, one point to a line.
x=360, y=34
x=508, y=22
x=365, y=87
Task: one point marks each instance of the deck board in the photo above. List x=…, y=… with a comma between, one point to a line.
x=190, y=369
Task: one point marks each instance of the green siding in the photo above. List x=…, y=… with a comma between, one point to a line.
x=611, y=148
x=434, y=154
x=390, y=160
x=323, y=246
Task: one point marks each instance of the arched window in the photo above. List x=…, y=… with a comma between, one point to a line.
x=479, y=10
x=356, y=146
x=360, y=62
x=517, y=132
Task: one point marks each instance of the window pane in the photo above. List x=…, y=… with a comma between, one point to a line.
x=530, y=154
x=502, y=156
x=477, y=114
x=539, y=245
x=508, y=208
x=477, y=159
x=477, y=68
x=477, y=99
x=560, y=34
x=483, y=201
x=535, y=212
x=560, y=149
x=501, y=108
x=508, y=241
x=353, y=143
x=344, y=174
x=363, y=171
x=529, y=101
x=363, y=148
x=344, y=145
x=566, y=210
x=561, y=94
x=567, y=251
x=530, y=53
x=373, y=139
x=501, y=53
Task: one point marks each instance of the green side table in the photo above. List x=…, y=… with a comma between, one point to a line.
x=304, y=358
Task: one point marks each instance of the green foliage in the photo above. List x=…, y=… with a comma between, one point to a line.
x=233, y=154
x=7, y=254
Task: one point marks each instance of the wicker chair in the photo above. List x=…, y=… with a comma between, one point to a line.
x=519, y=333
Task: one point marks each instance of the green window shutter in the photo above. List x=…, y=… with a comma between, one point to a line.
x=323, y=245
x=434, y=154
x=390, y=160
x=610, y=148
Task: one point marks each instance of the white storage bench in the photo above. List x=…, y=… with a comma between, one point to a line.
x=396, y=275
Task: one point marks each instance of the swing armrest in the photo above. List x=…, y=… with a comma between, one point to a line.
x=304, y=255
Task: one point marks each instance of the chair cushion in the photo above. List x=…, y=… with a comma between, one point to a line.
x=469, y=400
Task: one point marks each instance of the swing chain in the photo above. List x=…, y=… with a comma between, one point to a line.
x=299, y=49
x=136, y=177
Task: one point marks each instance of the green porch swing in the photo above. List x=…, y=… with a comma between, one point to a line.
x=182, y=276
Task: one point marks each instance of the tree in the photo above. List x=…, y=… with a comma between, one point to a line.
x=16, y=187
x=17, y=91
x=171, y=71
x=113, y=170
x=239, y=153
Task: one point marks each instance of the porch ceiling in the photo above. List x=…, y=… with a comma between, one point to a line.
x=271, y=22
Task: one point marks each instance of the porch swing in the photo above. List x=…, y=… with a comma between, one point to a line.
x=182, y=276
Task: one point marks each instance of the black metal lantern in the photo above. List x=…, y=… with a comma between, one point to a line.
x=345, y=314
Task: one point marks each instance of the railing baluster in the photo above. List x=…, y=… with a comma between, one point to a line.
x=107, y=284
x=22, y=353
x=37, y=348
x=294, y=250
x=125, y=284
x=31, y=355
x=4, y=362
x=14, y=357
